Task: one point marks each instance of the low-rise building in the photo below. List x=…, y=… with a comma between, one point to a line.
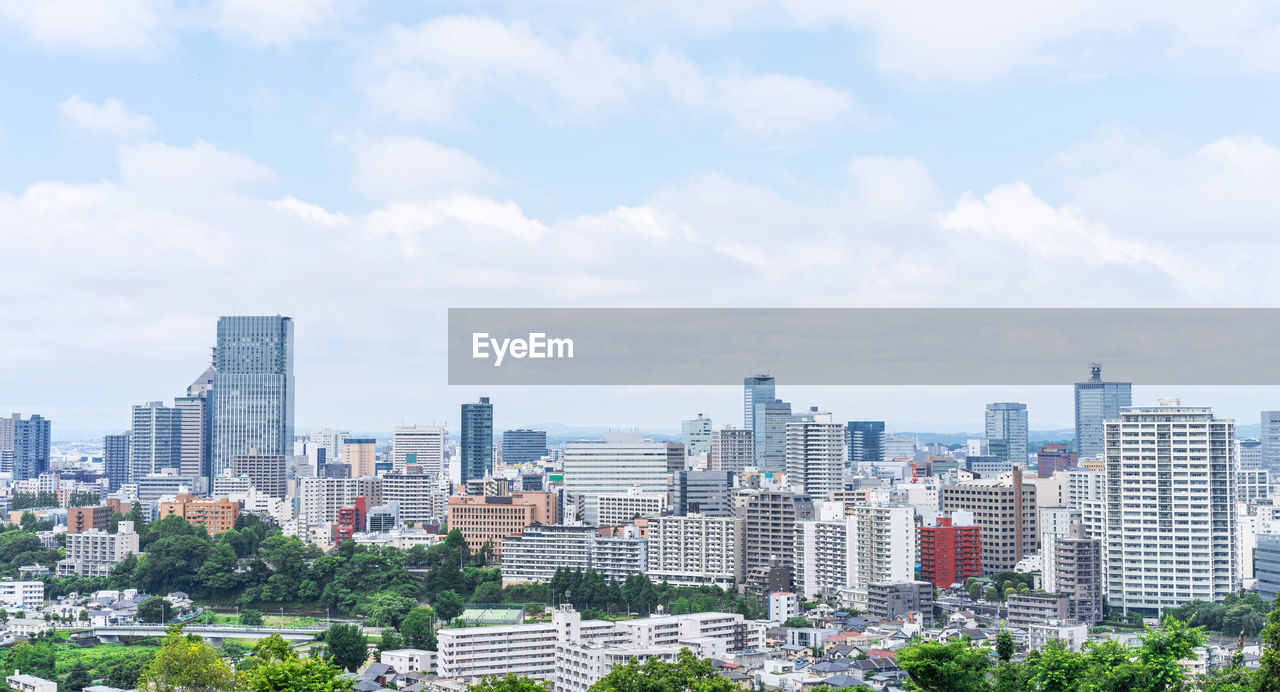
x=405, y=661
x=891, y=600
x=1038, y=608
x=22, y=595
x=19, y=682
x=94, y=552
x=579, y=665
x=215, y=515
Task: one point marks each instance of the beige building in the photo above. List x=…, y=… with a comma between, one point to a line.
x=358, y=453
x=488, y=519
x=1004, y=511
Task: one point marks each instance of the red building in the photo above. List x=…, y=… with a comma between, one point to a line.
x=949, y=554
x=350, y=520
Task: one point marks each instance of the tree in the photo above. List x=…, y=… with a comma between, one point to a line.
x=185, y=663
x=1162, y=650
x=655, y=675
x=796, y=622
x=389, y=641
x=952, y=667
x=974, y=588
x=1057, y=668
x=123, y=671
x=234, y=650
x=295, y=675
x=388, y=609
x=347, y=646
x=155, y=609
x=509, y=683
x=448, y=604
x=1004, y=645
x=488, y=592
x=33, y=658
x=1268, y=677
x=250, y=617
x=273, y=648
x=419, y=629
x=78, y=678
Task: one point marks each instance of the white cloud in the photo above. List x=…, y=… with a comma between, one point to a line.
x=108, y=119
x=122, y=28
x=403, y=167
x=278, y=23
x=434, y=72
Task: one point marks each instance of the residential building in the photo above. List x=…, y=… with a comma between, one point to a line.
x=19, y=682
x=267, y=472
x=477, y=439
x=770, y=518
x=320, y=498
x=1171, y=507
x=22, y=595
x=1078, y=574
x=360, y=454
x=816, y=455
x=890, y=600
x=615, y=509
x=703, y=492
x=406, y=661
x=215, y=515
x=840, y=554
x=115, y=460
x=416, y=494
x=155, y=444
x=1005, y=512
x=615, y=557
x=1055, y=523
x=950, y=551
x=1007, y=431
x=732, y=449
x=694, y=550
x=24, y=446
x=579, y=665
x=783, y=605
x=866, y=442
x=528, y=650
x=1037, y=608
x=623, y=461
x=94, y=552
x=81, y=519
x=1097, y=401
x=253, y=389
x=523, y=446
x=487, y=520
x=534, y=553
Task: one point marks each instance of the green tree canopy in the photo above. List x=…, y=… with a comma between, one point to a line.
x=185, y=663
x=688, y=672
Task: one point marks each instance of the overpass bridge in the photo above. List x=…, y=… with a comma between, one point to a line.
x=214, y=634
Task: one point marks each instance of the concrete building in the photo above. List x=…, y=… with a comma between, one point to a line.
x=950, y=551
x=94, y=552
x=253, y=389
x=155, y=443
x=360, y=453
x=419, y=446
x=770, y=521
x=22, y=595
x=154, y=486
x=194, y=420
x=535, y=553
x=267, y=472
x=1171, y=497
x=1078, y=574
x=1037, y=608
x=215, y=515
x=615, y=557
x=19, y=682
x=816, y=455
x=616, y=509
x=417, y=495
x=320, y=498
x=81, y=519
x=840, y=554
x=623, y=461
x=489, y=519
x=732, y=449
x=899, y=447
x=890, y=600
x=579, y=665
x=405, y=661
x=696, y=436
x=1005, y=512
x=694, y=550
x=1055, y=523
x=1097, y=401
x=703, y=492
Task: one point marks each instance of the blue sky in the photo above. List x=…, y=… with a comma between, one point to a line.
x=364, y=166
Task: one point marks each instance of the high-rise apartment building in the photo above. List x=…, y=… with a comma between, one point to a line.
x=816, y=455
x=115, y=460
x=866, y=442
x=1005, y=512
x=194, y=420
x=1097, y=401
x=732, y=449
x=696, y=550
x=523, y=446
x=1171, y=507
x=770, y=518
x=1055, y=523
x=951, y=551
x=360, y=453
x=696, y=435
x=267, y=472
x=842, y=552
x=24, y=446
x=1078, y=574
x=253, y=389
x=621, y=462
x=477, y=439
x=156, y=443
x=1007, y=431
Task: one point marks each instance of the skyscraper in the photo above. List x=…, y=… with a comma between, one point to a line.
x=24, y=445
x=866, y=441
x=477, y=439
x=816, y=455
x=115, y=460
x=418, y=448
x=623, y=461
x=155, y=441
x=1170, y=507
x=1097, y=401
x=1271, y=442
x=193, y=427
x=523, y=446
x=1007, y=431
x=696, y=435
x=756, y=391
x=771, y=456
x=253, y=389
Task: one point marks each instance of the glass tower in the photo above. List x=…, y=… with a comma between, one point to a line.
x=523, y=446
x=756, y=391
x=866, y=441
x=1097, y=401
x=477, y=439
x=253, y=389
x=1007, y=431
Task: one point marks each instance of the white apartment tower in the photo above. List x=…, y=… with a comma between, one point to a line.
x=840, y=554
x=816, y=455
x=1170, y=507
x=419, y=446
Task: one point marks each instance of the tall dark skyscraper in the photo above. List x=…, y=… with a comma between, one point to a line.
x=523, y=446
x=24, y=445
x=1097, y=401
x=866, y=441
x=253, y=389
x=477, y=439
x=757, y=390
x=115, y=459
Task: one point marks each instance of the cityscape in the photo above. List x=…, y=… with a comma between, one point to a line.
x=790, y=550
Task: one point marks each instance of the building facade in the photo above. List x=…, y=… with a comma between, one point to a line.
x=1097, y=401
x=477, y=439
x=253, y=389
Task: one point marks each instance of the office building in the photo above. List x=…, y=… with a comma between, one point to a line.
x=115, y=460
x=419, y=447
x=93, y=553
x=756, y=392
x=1249, y=454
x=1266, y=566
x=253, y=389
x=1253, y=485
x=703, y=492
x=1053, y=458
x=732, y=449
x=615, y=509
x=696, y=436
x=816, y=455
x=623, y=461
x=695, y=550
x=24, y=446
x=1097, y=401
x=477, y=439
x=899, y=448
x=1007, y=431
x=1005, y=512
x=1270, y=438
x=360, y=454
x=154, y=486
x=328, y=445
x=194, y=420
x=950, y=551
x=1171, y=499
x=486, y=520
x=866, y=442
x=888, y=600
x=156, y=441
x=267, y=472
x=523, y=446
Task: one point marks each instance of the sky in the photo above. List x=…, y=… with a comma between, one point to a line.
x=363, y=166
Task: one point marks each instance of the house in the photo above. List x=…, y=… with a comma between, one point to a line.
x=28, y=627
x=30, y=683
x=405, y=661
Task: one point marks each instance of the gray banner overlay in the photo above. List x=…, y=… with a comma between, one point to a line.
x=862, y=346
